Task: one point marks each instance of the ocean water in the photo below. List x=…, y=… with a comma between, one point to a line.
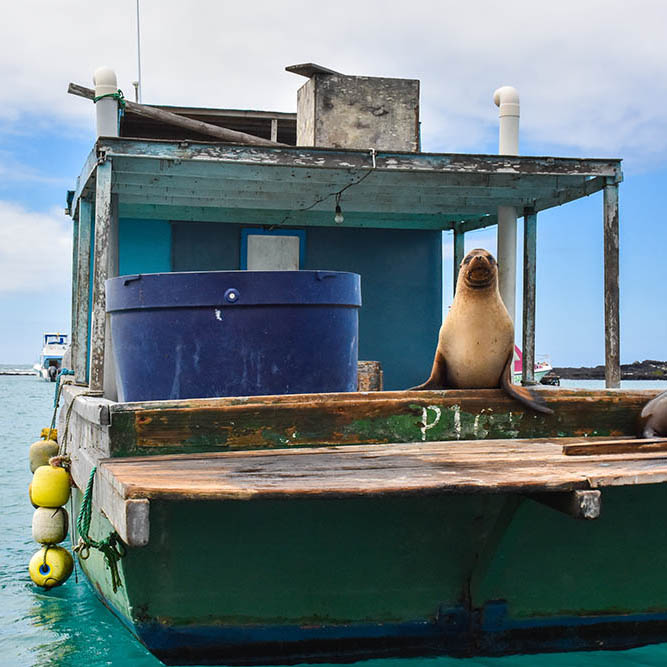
x=69, y=626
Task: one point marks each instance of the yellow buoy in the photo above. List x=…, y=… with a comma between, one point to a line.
x=50, y=566
x=50, y=486
x=49, y=525
x=40, y=453
x=32, y=502
x=49, y=434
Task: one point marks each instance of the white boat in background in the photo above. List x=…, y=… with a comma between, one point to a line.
x=541, y=368
x=51, y=358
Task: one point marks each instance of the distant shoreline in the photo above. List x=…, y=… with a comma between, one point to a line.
x=648, y=369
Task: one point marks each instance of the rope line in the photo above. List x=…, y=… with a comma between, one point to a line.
x=118, y=95
x=111, y=546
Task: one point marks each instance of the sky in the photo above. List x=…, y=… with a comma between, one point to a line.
x=592, y=76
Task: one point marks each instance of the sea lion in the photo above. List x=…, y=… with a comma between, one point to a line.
x=476, y=341
x=653, y=418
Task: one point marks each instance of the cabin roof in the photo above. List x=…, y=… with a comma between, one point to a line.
x=264, y=124
x=296, y=186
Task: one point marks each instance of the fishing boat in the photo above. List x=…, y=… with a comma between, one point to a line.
x=541, y=366
x=320, y=524
x=54, y=346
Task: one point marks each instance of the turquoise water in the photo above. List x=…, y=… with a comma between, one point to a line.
x=69, y=626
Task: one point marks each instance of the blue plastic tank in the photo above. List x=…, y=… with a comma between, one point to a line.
x=234, y=333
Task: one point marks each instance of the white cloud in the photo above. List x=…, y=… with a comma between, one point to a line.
x=13, y=170
x=35, y=250
x=592, y=75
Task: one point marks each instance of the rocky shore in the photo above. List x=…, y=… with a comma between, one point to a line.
x=648, y=369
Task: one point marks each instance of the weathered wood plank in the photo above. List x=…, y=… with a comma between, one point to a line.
x=81, y=302
x=580, y=504
x=85, y=438
x=612, y=330
x=211, y=174
x=359, y=159
x=75, y=280
x=370, y=376
x=103, y=226
x=130, y=518
x=207, y=129
x=529, y=288
x=383, y=469
x=459, y=252
x=369, y=202
x=283, y=217
x=203, y=425
x=618, y=446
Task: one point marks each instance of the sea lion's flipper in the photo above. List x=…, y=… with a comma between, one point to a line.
x=523, y=395
x=438, y=379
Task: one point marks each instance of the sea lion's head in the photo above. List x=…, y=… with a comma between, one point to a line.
x=479, y=270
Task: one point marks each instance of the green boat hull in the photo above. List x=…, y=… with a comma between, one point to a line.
x=325, y=579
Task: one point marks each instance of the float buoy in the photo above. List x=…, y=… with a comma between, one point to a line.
x=40, y=452
x=49, y=525
x=49, y=433
x=32, y=502
x=50, y=486
x=50, y=566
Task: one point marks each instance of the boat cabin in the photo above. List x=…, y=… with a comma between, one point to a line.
x=341, y=185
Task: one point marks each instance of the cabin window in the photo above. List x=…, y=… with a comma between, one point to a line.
x=274, y=250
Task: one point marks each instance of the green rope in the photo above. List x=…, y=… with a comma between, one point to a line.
x=59, y=389
x=118, y=95
x=111, y=546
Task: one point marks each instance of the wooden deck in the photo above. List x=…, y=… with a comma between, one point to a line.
x=488, y=466
x=536, y=467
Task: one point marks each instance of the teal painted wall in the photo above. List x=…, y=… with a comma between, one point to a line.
x=206, y=246
x=401, y=290
x=144, y=246
x=400, y=281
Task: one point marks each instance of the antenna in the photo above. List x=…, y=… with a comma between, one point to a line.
x=138, y=86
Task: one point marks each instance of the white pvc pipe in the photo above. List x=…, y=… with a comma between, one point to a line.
x=106, y=109
x=507, y=99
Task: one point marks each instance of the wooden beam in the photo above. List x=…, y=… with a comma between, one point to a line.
x=103, y=214
x=472, y=165
x=110, y=390
x=616, y=446
x=369, y=376
x=75, y=280
x=579, y=504
x=221, y=133
x=459, y=252
x=81, y=334
x=265, y=422
x=529, y=284
x=130, y=518
x=611, y=287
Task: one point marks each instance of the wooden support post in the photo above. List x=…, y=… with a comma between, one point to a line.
x=459, y=252
x=109, y=385
x=103, y=213
x=274, y=129
x=577, y=504
x=611, y=286
x=75, y=279
x=81, y=334
x=529, y=273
